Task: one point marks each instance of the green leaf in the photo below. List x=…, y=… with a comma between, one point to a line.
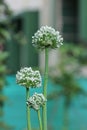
x=3, y=55
x=2, y=69
x=5, y=34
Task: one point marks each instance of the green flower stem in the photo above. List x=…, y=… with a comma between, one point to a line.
x=28, y=111
x=45, y=90
x=40, y=120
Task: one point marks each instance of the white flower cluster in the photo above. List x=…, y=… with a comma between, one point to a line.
x=36, y=101
x=28, y=78
x=47, y=37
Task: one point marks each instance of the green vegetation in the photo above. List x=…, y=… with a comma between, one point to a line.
x=4, y=35
x=65, y=76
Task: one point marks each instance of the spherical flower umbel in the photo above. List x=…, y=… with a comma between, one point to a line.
x=47, y=37
x=36, y=101
x=28, y=77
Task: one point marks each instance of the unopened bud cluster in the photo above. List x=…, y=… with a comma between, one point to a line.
x=36, y=101
x=28, y=77
x=47, y=37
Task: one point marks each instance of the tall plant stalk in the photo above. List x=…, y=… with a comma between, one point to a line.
x=28, y=111
x=40, y=120
x=45, y=90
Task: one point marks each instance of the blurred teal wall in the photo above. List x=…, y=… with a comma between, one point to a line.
x=23, y=55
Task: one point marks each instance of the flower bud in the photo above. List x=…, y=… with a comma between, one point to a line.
x=47, y=37
x=36, y=101
x=28, y=77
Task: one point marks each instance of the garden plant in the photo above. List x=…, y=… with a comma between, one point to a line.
x=66, y=77
x=45, y=38
x=4, y=36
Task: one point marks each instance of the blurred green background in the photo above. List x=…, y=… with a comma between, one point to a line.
x=67, y=86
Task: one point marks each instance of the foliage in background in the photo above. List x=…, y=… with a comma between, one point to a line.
x=4, y=35
x=65, y=74
x=6, y=30
x=76, y=51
